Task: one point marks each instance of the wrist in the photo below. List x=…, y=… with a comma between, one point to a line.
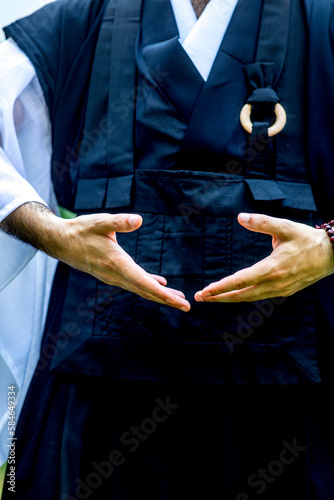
x=56, y=238
x=327, y=243
x=35, y=224
x=329, y=228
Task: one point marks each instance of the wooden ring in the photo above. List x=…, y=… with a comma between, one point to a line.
x=275, y=129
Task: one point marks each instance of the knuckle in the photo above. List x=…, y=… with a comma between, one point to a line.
x=110, y=266
x=116, y=222
x=111, y=263
x=99, y=220
x=284, y=290
x=238, y=281
x=263, y=223
x=275, y=271
x=137, y=282
x=109, y=281
x=240, y=284
x=278, y=274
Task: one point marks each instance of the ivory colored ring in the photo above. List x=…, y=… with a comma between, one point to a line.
x=275, y=129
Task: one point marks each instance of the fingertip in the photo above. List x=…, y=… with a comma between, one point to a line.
x=160, y=279
x=198, y=297
x=185, y=307
x=174, y=302
x=243, y=218
x=260, y=223
x=135, y=221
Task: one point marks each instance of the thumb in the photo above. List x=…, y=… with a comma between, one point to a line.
x=265, y=224
x=135, y=221
x=122, y=223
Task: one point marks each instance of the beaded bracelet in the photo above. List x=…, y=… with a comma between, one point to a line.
x=329, y=228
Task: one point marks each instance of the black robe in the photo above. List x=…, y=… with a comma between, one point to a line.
x=223, y=434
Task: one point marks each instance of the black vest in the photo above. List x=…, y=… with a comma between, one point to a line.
x=192, y=178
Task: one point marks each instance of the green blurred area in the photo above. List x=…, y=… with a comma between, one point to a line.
x=2, y=478
x=66, y=214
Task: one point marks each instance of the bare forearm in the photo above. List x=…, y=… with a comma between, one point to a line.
x=35, y=224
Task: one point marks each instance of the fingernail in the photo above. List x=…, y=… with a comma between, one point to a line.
x=199, y=298
x=170, y=302
x=184, y=309
x=134, y=220
x=206, y=295
x=244, y=218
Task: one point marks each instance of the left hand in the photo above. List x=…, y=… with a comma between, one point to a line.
x=301, y=256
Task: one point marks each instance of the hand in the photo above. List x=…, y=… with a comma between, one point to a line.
x=88, y=243
x=301, y=256
x=93, y=248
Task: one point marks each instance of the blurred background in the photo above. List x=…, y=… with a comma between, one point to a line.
x=14, y=9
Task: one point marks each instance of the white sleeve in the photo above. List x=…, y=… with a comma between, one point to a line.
x=25, y=278
x=25, y=151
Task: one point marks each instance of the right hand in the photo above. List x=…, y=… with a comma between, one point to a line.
x=90, y=245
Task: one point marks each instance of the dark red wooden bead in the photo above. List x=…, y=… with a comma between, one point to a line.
x=329, y=228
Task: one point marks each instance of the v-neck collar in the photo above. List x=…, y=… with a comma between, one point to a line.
x=201, y=38
x=163, y=61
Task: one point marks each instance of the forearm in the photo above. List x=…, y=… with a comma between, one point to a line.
x=35, y=224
